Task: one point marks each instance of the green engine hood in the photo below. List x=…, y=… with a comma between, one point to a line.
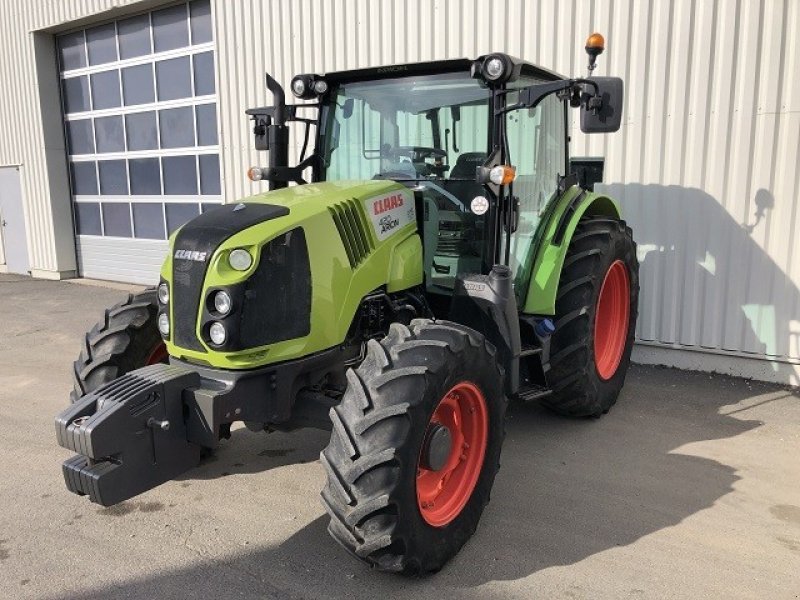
x=360, y=235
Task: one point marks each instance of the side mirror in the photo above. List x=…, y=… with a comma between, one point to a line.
x=347, y=108
x=608, y=116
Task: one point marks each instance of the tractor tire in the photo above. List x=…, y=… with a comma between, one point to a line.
x=596, y=310
x=126, y=339
x=386, y=457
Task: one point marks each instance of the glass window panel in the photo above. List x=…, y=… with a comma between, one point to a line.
x=207, y=206
x=209, y=175
x=137, y=84
x=203, y=73
x=72, y=51
x=145, y=176
x=84, y=178
x=113, y=177
x=148, y=220
x=102, y=44
x=201, y=21
x=173, y=78
x=170, y=29
x=206, y=124
x=134, y=36
x=117, y=219
x=178, y=214
x=108, y=131
x=141, y=130
x=76, y=94
x=176, y=127
x=80, y=138
x=105, y=89
x=180, y=175
x=87, y=218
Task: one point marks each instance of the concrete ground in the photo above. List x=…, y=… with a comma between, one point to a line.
x=689, y=488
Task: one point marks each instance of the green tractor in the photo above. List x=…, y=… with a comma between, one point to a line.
x=439, y=262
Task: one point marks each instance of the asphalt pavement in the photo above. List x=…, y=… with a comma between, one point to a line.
x=688, y=488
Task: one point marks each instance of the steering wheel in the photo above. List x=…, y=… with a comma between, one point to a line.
x=419, y=153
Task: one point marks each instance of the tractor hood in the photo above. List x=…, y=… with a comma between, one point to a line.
x=314, y=252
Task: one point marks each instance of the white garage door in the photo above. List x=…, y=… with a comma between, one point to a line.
x=140, y=112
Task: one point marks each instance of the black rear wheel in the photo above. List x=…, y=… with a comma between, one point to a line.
x=596, y=310
x=126, y=339
x=415, y=447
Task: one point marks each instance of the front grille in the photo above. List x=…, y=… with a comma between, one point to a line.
x=277, y=297
x=349, y=221
x=194, y=244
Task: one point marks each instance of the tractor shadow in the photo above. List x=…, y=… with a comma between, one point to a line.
x=567, y=489
x=248, y=452
x=706, y=280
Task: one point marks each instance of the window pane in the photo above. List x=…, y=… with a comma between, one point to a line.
x=206, y=124
x=84, y=178
x=117, y=219
x=180, y=175
x=203, y=73
x=87, y=218
x=201, y=21
x=176, y=127
x=137, y=84
x=173, y=78
x=148, y=220
x=102, y=44
x=145, y=177
x=141, y=130
x=209, y=175
x=105, y=89
x=80, y=139
x=76, y=94
x=113, y=177
x=178, y=214
x=109, y=134
x=170, y=29
x=72, y=51
x=134, y=36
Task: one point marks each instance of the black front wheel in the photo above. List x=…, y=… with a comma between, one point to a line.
x=415, y=447
x=126, y=339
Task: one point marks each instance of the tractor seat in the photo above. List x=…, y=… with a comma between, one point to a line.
x=464, y=170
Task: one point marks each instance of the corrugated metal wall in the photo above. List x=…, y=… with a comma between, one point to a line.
x=705, y=166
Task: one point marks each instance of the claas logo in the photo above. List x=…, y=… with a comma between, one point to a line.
x=388, y=203
x=191, y=255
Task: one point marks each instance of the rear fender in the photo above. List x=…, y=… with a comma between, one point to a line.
x=554, y=242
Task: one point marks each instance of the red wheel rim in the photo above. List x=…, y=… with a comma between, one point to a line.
x=158, y=355
x=442, y=494
x=611, y=320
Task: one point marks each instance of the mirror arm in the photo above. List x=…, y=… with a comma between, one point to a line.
x=531, y=96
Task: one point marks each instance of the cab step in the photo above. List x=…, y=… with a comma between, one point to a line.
x=533, y=392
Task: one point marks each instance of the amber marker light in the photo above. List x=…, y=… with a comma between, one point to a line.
x=502, y=174
x=254, y=174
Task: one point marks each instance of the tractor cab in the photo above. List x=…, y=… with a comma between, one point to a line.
x=440, y=128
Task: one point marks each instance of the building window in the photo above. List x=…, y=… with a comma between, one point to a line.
x=140, y=116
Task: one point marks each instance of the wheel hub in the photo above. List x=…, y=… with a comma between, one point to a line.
x=451, y=456
x=437, y=447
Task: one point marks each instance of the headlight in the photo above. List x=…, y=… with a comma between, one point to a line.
x=320, y=86
x=222, y=302
x=163, y=293
x=240, y=259
x=299, y=87
x=493, y=69
x=217, y=333
x=163, y=324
